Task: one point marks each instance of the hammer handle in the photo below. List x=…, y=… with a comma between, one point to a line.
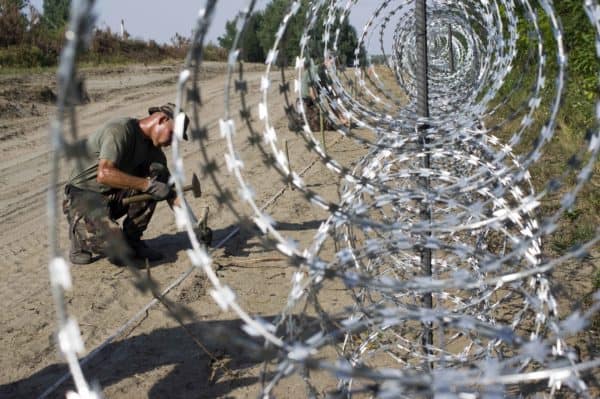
x=146, y=197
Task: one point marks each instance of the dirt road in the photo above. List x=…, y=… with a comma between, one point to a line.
x=155, y=358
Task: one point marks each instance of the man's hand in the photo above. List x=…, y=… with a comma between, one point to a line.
x=158, y=190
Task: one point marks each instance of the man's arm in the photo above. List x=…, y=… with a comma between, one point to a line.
x=111, y=176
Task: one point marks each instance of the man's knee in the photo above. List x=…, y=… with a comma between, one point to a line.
x=101, y=235
x=89, y=223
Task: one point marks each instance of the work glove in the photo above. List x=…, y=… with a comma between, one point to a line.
x=158, y=190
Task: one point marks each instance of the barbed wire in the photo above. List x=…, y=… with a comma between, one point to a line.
x=494, y=320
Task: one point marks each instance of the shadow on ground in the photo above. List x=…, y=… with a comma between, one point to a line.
x=172, y=244
x=193, y=373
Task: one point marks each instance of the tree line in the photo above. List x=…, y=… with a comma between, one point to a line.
x=28, y=37
x=33, y=38
x=259, y=35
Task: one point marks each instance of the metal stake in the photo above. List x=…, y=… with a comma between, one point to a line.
x=423, y=112
x=287, y=155
x=450, y=48
x=322, y=123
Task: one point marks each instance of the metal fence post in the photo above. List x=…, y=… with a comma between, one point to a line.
x=450, y=48
x=423, y=112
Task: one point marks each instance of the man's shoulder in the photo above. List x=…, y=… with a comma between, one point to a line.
x=119, y=125
x=116, y=129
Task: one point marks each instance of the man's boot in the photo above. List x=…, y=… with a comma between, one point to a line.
x=142, y=251
x=295, y=121
x=78, y=255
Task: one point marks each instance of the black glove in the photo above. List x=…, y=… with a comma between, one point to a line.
x=158, y=190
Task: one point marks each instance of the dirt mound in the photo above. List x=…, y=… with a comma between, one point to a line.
x=13, y=109
x=22, y=101
x=46, y=95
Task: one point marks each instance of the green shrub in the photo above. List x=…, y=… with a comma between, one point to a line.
x=573, y=233
x=25, y=56
x=42, y=46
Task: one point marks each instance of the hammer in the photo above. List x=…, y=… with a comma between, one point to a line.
x=194, y=188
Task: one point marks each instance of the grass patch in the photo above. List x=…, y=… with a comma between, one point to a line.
x=575, y=119
x=573, y=233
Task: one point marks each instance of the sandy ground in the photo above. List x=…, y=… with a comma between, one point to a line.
x=155, y=357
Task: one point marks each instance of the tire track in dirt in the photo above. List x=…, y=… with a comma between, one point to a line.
x=24, y=250
x=195, y=289
x=37, y=159
x=103, y=295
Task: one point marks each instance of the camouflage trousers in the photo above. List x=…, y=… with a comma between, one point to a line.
x=93, y=216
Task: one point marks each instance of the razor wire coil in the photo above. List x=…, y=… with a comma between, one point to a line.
x=483, y=226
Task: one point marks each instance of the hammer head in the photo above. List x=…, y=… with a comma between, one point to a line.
x=196, y=189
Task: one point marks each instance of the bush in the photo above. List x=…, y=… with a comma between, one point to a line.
x=214, y=53
x=25, y=56
x=40, y=46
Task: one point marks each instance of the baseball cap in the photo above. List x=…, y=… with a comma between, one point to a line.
x=169, y=110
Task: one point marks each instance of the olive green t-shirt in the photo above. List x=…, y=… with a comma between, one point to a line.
x=122, y=142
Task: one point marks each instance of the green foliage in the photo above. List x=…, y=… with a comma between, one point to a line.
x=226, y=41
x=37, y=41
x=251, y=49
x=272, y=18
x=56, y=13
x=262, y=27
x=583, y=64
x=25, y=56
x=347, y=41
x=572, y=234
x=26, y=42
x=577, y=111
x=7, y=4
x=576, y=115
x=579, y=42
x=108, y=47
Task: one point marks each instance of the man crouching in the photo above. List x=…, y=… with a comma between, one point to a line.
x=124, y=158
